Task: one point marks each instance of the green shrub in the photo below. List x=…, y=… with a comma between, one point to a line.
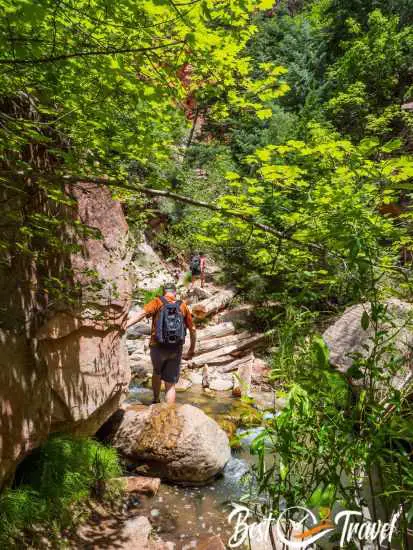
x=149, y=295
x=57, y=478
x=187, y=278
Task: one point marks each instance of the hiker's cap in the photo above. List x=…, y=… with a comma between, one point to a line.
x=169, y=287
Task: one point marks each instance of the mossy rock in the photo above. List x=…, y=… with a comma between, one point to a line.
x=229, y=427
x=235, y=442
x=244, y=414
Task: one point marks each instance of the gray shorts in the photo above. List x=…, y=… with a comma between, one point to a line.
x=166, y=362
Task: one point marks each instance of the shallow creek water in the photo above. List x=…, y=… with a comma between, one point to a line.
x=186, y=515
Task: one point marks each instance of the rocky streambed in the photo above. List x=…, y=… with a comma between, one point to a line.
x=189, y=449
x=188, y=515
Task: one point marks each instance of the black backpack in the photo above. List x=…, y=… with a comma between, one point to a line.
x=170, y=325
x=196, y=264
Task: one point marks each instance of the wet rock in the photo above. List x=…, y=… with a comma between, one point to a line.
x=195, y=377
x=139, y=484
x=141, y=367
x=267, y=400
x=178, y=442
x=183, y=384
x=134, y=534
x=221, y=383
x=244, y=414
x=214, y=380
x=229, y=427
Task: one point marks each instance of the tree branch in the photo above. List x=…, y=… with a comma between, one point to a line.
x=179, y=198
x=194, y=202
x=62, y=57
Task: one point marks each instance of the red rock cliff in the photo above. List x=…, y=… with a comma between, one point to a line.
x=68, y=372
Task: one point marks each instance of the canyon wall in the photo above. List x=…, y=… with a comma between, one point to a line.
x=63, y=363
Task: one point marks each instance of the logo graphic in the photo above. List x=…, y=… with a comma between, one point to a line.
x=303, y=526
x=298, y=527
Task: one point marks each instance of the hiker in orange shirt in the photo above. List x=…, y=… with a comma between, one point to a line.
x=170, y=319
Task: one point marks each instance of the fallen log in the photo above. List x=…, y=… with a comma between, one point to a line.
x=235, y=350
x=216, y=331
x=221, y=360
x=253, y=342
x=213, y=361
x=239, y=314
x=233, y=365
x=204, y=346
x=208, y=358
x=212, y=305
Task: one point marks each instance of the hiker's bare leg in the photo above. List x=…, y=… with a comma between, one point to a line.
x=202, y=279
x=170, y=394
x=156, y=387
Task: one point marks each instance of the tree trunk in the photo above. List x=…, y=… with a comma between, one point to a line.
x=237, y=363
x=216, y=331
x=234, y=349
x=212, y=305
x=204, y=346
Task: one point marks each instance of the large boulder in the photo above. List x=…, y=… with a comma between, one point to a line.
x=346, y=337
x=178, y=442
x=64, y=363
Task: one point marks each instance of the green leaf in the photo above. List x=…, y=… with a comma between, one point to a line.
x=263, y=114
x=355, y=372
x=365, y=320
x=392, y=145
x=322, y=351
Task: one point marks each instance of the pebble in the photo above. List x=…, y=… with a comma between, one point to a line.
x=155, y=513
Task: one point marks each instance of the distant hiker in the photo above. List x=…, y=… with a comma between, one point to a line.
x=170, y=319
x=198, y=267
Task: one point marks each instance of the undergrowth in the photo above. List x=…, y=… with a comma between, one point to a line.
x=51, y=492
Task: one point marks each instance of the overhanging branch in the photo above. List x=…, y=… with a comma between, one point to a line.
x=179, y=198
x=108, y=51
x=201, y=204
